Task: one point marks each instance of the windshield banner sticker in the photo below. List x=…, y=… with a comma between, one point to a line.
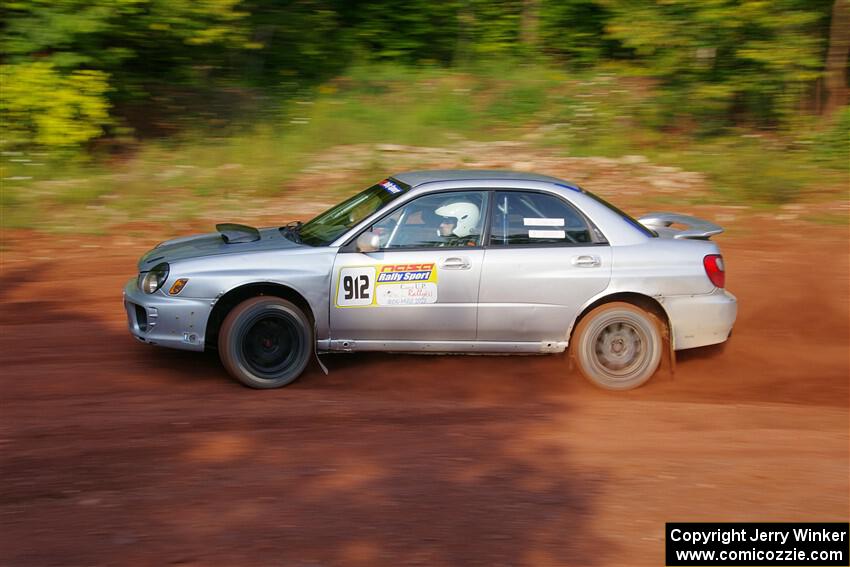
x=387, y=285
x=390, y=186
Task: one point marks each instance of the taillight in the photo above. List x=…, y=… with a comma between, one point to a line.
x=715, y=270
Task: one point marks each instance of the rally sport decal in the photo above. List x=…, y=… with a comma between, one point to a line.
x=387, y=284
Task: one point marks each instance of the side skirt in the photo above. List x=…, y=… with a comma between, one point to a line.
x=465, y=347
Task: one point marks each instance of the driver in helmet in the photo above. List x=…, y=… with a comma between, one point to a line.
x=459, y=226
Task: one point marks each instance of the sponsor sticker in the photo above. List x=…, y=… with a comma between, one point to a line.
x=407, y=294
x=387, y=285
x=405, y=273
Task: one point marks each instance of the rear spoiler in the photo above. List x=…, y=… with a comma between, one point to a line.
x=694, y=228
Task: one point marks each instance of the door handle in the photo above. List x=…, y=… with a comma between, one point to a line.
x=587, y=261
x=455, y=263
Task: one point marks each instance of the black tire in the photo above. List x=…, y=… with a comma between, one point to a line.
x=618, y=346
x=265, y=342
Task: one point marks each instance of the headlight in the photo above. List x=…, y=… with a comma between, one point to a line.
x=151, y=281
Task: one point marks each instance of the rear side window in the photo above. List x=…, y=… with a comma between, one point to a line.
x=625, y=217
x=533, y=218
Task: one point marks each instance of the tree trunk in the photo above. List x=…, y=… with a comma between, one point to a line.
x=529, y=23
x=466, y=26
x=835, y=82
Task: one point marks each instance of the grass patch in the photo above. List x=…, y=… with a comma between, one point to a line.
x=752, y=170
x=831, y=219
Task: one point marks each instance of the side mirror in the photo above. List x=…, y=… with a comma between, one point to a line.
x=368, y=242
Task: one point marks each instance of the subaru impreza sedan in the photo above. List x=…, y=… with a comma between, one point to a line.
x=442, y=262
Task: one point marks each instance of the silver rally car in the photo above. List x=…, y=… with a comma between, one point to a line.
x=442, y=261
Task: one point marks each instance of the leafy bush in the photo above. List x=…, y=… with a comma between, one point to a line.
x=40, y=105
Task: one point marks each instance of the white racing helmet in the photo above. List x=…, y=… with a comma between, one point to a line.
x=465, y=214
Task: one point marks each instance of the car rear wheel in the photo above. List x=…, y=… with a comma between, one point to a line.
x=265, y=342
x=618, y=346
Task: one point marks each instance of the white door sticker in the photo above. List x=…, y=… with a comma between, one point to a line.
x=547, y=234
x=542, y=222
x=356, y=287
x=407, y=294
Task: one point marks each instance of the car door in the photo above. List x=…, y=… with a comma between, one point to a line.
x=419, y=285
x=544, y=261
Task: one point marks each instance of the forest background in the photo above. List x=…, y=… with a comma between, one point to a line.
x=111, y=107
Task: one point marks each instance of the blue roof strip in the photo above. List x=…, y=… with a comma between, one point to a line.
x=570, y=187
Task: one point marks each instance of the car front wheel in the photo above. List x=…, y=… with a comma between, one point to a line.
x=618, y=346
x=265, y=342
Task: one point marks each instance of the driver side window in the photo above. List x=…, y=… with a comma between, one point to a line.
x=435, y=221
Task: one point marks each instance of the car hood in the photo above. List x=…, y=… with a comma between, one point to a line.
x=212, y=244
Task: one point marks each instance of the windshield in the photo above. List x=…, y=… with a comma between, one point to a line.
x=334, y=222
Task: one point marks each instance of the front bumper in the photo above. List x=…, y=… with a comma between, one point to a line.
x=169, y=321
x=701, y=320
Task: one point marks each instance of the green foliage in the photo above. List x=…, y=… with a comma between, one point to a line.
x=40, y=105
x=292, y=42
x=170, y=63
x=590, y=77
x=106, y=33
x=420, y=31
x=575, y=32
x=491, y=29
x=142, y=47
x=719, y=60
x=405, y=31
x=832, y=146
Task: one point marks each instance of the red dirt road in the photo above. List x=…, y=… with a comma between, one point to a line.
x=117, y=453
